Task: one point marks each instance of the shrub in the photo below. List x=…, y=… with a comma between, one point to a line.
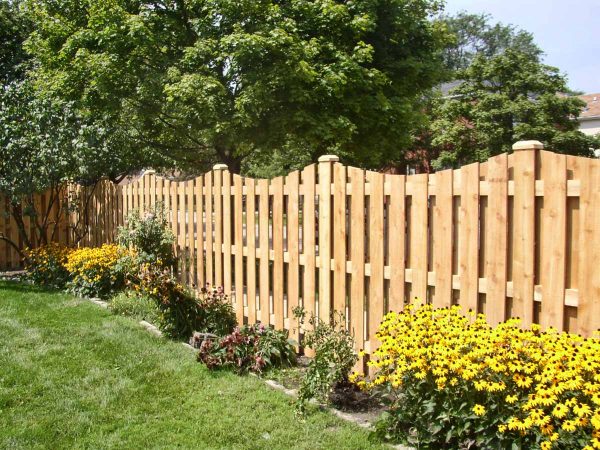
x=181, y=312
x=456, y=382
x=149, y=235
x=99, y=271
x=132, y=304
x=333, y=361
x=45, y=265
x=248, y=349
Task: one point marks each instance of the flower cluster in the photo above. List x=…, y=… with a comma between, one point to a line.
x=489, y=385
x=97, y=271
x=253, y=348
x=45, y=265
x=181, y=311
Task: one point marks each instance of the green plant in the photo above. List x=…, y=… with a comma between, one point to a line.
x=98, y=271
x=253, y=348
x=182, y=312
x=334, y=358
x=45, y=265
x=149, y=235
x=132, y=304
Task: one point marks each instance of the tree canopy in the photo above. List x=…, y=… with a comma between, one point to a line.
x=474, y=35
x=236, y=81
x=501, y=100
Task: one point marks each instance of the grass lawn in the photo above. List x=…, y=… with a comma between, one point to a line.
x=75, y=376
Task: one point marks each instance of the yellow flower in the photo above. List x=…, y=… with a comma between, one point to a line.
x=511, y=399
x=479, y=410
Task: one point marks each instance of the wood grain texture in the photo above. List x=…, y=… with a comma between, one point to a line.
x=442, y=235
x=524, y=236
x=375, y=306
x=589, y=275
x=397, y=240
x=239, y=247
x=419, y=245
x=293, y=233
x=227, y=232
x=553, y=222
x=357, y=256
x=251, y=245
x=263, y=213
x=339, y=238
x=495, y=239
x=208, y=202
x=277, y=233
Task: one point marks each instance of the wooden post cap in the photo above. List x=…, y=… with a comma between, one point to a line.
x=528, y=145
x=220, y=167
x=328, y=158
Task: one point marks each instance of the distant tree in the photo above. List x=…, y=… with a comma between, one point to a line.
x=14, y=29
x=474, y=35
x=501, y=100
x=236, y=81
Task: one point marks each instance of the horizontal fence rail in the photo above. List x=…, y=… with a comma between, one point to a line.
x=516, y=236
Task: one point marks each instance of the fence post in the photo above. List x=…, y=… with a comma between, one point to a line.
x=523, y=229
x=325, y=239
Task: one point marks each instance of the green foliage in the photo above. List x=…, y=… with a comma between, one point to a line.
x=500, y=101
x=131, y=304
x=149, y=235
x=181, y=312
x=230, y=81
x=45, y=265
x=474, y=35
x=334, y=358
x=14, y=29
x=253, y=348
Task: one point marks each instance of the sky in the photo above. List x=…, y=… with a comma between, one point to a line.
x=568, y=31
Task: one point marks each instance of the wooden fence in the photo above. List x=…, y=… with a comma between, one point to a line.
x=518, y=235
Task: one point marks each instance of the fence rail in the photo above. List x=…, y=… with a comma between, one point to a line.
x=518, y=235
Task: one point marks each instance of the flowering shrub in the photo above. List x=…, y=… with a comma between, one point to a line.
x=456, y=382
x=180, y=311
x=99, y=271
x=45, y=265
x=334, y=358
x=248, y=349
x=150, y=235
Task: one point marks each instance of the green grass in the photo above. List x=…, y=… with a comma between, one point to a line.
x=75, y=376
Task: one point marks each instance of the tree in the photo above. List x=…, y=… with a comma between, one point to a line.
x=501, y=100
x=234, y=81
x=474, y=35
x=14, y=29
x=44, y=145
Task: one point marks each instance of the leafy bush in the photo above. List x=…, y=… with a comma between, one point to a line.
x=45, y=265
x=132, y=304
x=150, y=235
x=456, y=382
x=99, y=271
x=181, y=312
x=333, y=361
x=248, y=349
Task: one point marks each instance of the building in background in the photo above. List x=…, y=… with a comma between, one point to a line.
x=589, y=119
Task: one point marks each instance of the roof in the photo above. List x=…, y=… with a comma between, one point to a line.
x=592, y=108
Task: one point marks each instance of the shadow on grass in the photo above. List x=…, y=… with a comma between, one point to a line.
x=21, y=287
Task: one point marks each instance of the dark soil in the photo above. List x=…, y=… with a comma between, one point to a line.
x=348, y=397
